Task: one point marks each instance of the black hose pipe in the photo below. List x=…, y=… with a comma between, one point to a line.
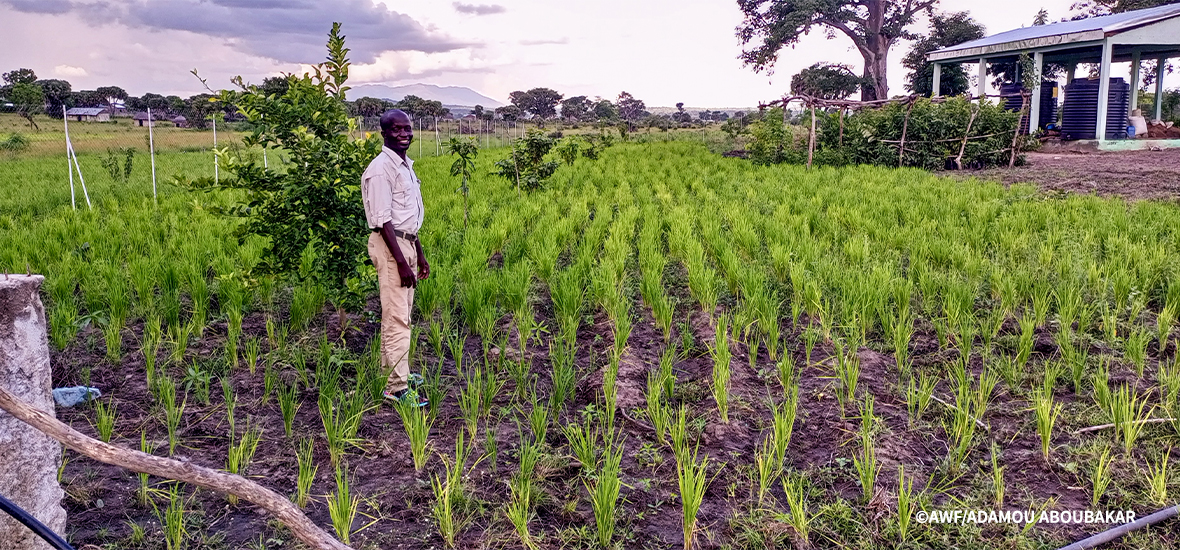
x=35, y=526
x=1111, y=534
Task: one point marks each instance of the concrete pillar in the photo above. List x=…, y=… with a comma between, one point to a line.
x=1104, y=89
x=1159, y=88
x=1134, y=103
x=981, y=86
x=936, y=90
x=28, y=458
x=1034, y=114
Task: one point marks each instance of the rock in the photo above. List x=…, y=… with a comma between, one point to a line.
x=29, y=458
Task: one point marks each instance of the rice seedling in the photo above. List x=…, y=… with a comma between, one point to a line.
x=1157, y=479
x=417, y=429
x=112, y=332
x=657, y=412
x=766, y=467
x=604, y=495
x=1100, y=477
x=538, y=419
x=289, y=405
x=610, y=395
x=253, y=349
x=905, y=503
x=241, y=454
x=443, y=509
x=1028, y=325
x=172, y=519
x=270, y=380
x=1047, y=413
x=784, y=424
x=230, y=401
x=470, y=397
x=490, y=445
x=848, y=373
x=961, y=430
x=564, y=377
x=336, y=427
x=583, y=441
x=1163, y=325
x=918, y=393
x=104, y=418
x=865, y=463
x=692, y=479
x=811, y=335
x=304, y=455
x=1168, y=376
x=997, y=479
x=1127, y=412
x=143, y=491
x=343, y=506
x=1135, y=349
x=798, y=516
x=721, y=368
x=179, y=335
x=520, y=509
x=173, y=412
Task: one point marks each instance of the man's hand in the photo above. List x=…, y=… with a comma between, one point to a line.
x=407, y=275
x=423, y=265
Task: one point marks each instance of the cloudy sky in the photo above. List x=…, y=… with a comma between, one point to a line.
x=661, y=51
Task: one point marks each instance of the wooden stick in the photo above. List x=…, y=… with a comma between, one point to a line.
x=905, y=126
x=1108, y=426
x=187, y=472
x=1024, y=97
x=963, y=146
x=811, y=140
x=841, y=126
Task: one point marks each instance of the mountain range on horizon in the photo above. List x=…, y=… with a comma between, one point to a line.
x=448, y=95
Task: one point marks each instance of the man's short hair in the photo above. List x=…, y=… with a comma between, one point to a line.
x=387, y=118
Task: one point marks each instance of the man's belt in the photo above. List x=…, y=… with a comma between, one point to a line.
x=401, y=234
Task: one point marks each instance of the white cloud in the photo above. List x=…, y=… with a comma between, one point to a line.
x=69, y=71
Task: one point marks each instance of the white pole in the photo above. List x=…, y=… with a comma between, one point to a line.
x=419, y=138
x=70, y=164
x=436, y=138
x=85, y=193
x=934, y=91
x=1159, y=88
x=216, y=175
x=265, y=163
x=1103, y=89
x=981, y=86
x=152, y=152
x=1034, y=115
x=1136, y=56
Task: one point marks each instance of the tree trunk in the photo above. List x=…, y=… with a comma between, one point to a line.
x=875, y=53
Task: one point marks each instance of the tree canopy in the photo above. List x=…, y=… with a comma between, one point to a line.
x=20, y=76
x=874, y=26
x=575, y=108
x=946, y=29
x=630, y=109
x=826, y=81
x=539, y=102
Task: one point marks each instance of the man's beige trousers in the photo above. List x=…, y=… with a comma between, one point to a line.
x=396, y=304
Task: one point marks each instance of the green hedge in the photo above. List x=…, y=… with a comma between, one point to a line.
x=871, y=136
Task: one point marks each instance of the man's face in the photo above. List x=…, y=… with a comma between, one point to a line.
x=399, y=134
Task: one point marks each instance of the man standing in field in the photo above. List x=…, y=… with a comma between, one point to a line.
x=393, y=207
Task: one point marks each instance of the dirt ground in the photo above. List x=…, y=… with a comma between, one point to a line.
x=1131, y=174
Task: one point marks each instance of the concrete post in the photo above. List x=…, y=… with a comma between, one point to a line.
x=1034, y=114
x=28, y=458
x=935, y=91
x=1159, y=88
x=1103, y=89
x=981, y=86
x=1134, y=103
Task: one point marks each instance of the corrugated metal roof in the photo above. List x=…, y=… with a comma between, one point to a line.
x=1104, y=24
x=85, y=111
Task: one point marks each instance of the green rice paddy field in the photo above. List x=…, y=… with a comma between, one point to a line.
x=662, y=349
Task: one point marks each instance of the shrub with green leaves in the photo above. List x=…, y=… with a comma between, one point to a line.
x=314, y=199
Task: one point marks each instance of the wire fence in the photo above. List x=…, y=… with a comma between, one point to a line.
x=82, y=160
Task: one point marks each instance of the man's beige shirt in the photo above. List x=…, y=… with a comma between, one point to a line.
x=392, y=193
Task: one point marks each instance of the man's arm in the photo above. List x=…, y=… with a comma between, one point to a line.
x=403, y=267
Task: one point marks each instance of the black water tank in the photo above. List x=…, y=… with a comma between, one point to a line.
x=1080, y=111
x=1010, y=99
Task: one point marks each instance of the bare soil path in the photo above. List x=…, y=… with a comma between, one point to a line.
x=1132, y=175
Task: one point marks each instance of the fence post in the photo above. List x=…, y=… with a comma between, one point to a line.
x=905, y=126
x=963, y=146
x=30, y=458
x=811, y=137
x=69, y=163
x=152, y=153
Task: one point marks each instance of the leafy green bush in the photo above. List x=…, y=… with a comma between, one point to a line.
x=527, y=165
x=933, y=136
x=15, y=143
x=314, y=201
